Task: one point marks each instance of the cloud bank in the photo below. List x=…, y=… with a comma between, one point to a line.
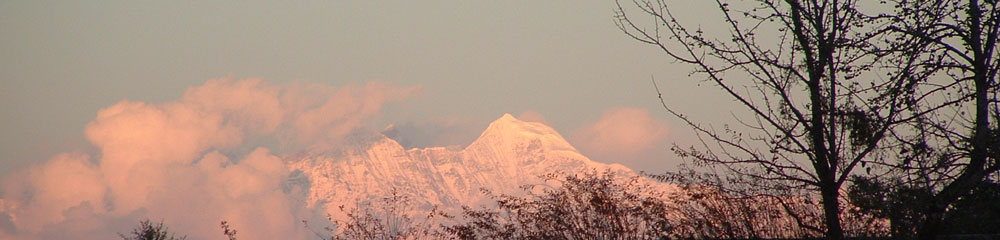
x=169, y=162
x=630, y=136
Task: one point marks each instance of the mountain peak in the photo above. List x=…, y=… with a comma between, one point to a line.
x=508, y=117
x=509, y=130
x=508, y=123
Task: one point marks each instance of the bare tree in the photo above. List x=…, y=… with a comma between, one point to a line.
x=392, y=218
x=806, y=71
x=722, y=208
x=590, y=205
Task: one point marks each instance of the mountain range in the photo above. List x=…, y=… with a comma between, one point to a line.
x=510, y=153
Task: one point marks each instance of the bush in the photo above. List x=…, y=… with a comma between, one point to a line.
x=150, y=231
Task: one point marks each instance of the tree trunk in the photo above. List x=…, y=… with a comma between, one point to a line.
x=975, y=170
x=831, y=210
x=932, y=222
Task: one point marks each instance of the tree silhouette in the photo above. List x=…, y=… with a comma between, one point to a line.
x=150, y=231
x=951, y=151
x=811, y=75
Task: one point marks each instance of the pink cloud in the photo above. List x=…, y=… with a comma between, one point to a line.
x=630, y=136
x=344, y=110
x=448, y=131
x=250, y=103
x=164, y=161
x=65, y=181
x=532, y=116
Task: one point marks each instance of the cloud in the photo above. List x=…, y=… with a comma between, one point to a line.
x=532, y=116
x=45, y=191
x=343, y=111
x=447, y=131
x=166, y=161
x=451, y=131
x=630, y=136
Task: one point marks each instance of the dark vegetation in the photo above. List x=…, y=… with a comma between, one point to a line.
x=599, y=205
x=585, y=206
x=150, y=231
x=394, y=217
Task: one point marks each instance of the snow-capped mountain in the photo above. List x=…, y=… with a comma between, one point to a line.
x=508, y=154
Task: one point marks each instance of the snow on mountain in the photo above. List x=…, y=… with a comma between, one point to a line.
x=508, y=154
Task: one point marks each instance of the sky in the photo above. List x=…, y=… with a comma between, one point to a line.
x=438, y=71
x=474, y=61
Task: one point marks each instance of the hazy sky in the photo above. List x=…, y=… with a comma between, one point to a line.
x=111, y=112
x=561, y=61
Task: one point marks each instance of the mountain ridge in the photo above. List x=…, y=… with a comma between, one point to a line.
x=509, y=153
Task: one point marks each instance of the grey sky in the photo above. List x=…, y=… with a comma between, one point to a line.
x=63, y=61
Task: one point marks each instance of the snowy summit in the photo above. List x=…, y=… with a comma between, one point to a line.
x=508, y=154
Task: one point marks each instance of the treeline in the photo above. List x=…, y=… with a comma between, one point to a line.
x=599, y=205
